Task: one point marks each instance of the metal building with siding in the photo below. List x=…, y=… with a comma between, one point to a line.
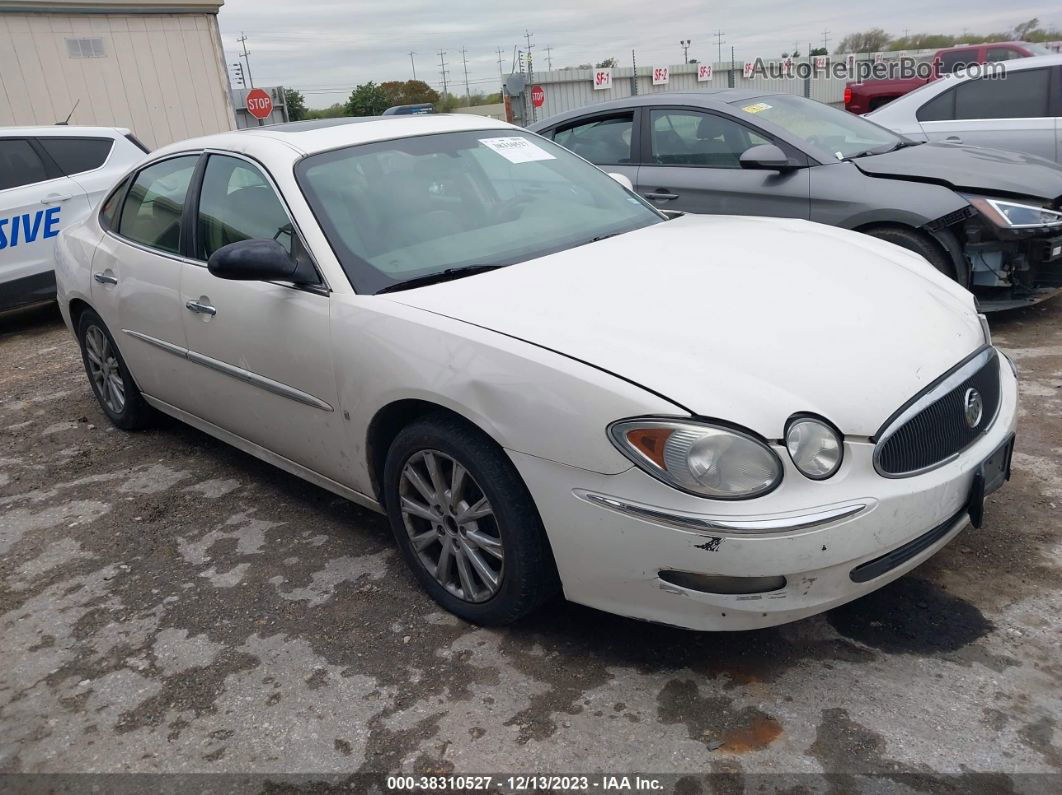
x=154, y=66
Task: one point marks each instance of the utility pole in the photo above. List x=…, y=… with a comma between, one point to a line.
x=501, y=74
x=464, y=63
x=413, y=64
x=246, y=57
x=685, y=45
x=826, y=40
x=549, y=59
x=634, y=79
x=719, y=44
x=442, y=69
x=530, y=71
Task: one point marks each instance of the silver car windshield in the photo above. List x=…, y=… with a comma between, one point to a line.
x=403, y=210
x=832, y=130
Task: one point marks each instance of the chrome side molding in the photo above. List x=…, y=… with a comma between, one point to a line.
x=248, y=377
x=720, y=524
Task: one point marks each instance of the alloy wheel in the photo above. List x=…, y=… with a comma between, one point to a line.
x=451, y=525
x=104, y=369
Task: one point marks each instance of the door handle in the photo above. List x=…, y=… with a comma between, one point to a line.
x=104, y=278
x=55, y=198
x=661, y=195
x=201, y=309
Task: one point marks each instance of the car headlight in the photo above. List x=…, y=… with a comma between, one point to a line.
x=815, y=447
x=699, y=457
x=1015, y=215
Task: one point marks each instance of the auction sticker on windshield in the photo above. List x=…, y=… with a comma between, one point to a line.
x=756, y=108
x=516, y=149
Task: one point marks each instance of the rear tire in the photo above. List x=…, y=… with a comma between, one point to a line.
x=919, y=243
x=499, y=566
x=109, y=377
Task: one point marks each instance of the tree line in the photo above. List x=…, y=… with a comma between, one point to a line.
x=877, y=40
x=372, y=99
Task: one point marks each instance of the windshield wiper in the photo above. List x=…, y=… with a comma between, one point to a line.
x=447, y=275
x=893, y=148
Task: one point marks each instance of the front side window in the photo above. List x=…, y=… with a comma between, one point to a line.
x=837, y=131
x=238, y=203
x=19, y=164
x=151, y=214
x=411, y=207
x=1002, y=54
x=690, y=138
x=75, y=155
x=1019, y=95
x=604, y=140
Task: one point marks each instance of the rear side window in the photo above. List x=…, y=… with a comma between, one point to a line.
x=151, y=214
x=600, y=140
x=109, y=209
x=940, y=108
x=238, y=203
x=19, y=164
x=75, y=155
x=1019, y=95
x=950, y=61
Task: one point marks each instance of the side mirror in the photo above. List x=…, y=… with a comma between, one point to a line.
x=622, y=179
x=765, y=156
x=260, y=261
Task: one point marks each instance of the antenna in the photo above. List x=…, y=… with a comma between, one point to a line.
x=66, y=122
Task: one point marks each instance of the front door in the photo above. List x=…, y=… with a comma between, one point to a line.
x=693, y=164
x=262, y=350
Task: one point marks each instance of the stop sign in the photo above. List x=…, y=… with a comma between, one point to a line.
x=538, y=96
x=259, y=103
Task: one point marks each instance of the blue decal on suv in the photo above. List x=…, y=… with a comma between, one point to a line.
x=26, y=228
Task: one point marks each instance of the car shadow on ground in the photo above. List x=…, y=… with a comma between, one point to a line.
x=38, y=318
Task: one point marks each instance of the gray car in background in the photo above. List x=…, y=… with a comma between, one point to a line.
x=992, y=220
x=1021, y=112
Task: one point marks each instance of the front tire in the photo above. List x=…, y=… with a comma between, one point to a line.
x=919, y=243
x=113, y=386
x=465, y=522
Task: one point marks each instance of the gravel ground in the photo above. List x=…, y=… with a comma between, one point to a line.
x=169, y=604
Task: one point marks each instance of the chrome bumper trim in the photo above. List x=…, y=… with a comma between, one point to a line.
x=716, y=524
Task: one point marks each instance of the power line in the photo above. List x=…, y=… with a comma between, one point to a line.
x=826, y=40
x=549, y=59
x=719, y=44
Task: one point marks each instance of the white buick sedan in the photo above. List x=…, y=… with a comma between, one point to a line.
x=545, y=383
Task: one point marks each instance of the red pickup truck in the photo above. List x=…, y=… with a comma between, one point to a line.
x=868, y=95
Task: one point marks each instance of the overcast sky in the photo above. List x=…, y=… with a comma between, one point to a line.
x=325, y=47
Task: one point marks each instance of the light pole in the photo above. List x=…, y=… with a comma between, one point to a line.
x=685, y=45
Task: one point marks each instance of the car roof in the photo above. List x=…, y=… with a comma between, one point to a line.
x=320, y=135
x=713, y=98
x=62, y=131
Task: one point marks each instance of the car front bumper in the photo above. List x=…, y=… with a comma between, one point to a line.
x=613, y=535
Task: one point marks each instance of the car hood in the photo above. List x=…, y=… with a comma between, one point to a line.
x=990, y=171
x=737, y=318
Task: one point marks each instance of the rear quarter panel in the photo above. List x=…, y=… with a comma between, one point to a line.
x=74, y=250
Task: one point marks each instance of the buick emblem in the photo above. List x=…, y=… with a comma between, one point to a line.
x=972, y=407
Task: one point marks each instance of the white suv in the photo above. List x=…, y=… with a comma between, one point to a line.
x=51, y=178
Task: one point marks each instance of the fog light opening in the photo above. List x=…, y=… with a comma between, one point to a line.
x=725, y=586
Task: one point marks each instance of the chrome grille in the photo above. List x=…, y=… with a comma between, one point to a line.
x=932, y=428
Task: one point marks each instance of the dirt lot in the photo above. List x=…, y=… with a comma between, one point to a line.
x=168, y=604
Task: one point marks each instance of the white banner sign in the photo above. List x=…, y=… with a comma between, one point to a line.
x=704, y=72
x=820, y=62
x=602, y=79
x=879, y=57
x=749, y=66
x=661, y=75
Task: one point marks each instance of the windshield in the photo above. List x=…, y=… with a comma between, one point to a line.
x=837, y=131
x=412, y=207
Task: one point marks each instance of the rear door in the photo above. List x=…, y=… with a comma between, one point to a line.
x=691, y=162
x=1015, y=113
x=36, y=202
x=136, y=274
x=608, y=140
